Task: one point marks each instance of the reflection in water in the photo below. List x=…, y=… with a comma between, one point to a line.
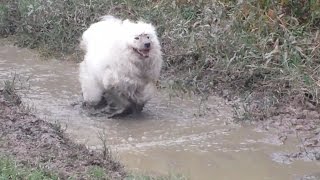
x=171, y=135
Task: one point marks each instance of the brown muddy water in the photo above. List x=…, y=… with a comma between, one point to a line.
x=172, y=135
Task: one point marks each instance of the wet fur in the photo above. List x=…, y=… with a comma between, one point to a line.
x=111, y=63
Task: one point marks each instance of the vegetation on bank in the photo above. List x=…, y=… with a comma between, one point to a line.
x=258, y=48
x=11, y=170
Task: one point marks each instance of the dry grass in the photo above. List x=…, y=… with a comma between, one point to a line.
x=9, y=91
x=254, y=48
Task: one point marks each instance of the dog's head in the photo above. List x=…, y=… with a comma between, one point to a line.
x=142, y=38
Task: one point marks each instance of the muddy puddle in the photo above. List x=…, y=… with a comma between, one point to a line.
x=172, y=135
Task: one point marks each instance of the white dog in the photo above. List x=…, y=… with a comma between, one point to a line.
x=123, y=59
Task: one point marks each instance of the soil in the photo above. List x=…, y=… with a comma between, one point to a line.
x=301, y=122
x=296, y=117
x=36, y=143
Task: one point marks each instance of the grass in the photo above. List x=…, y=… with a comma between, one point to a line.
x=254, y=48
x=97, y=172
x=9, y=169
x=10, y=91
x=103, y=138
x=16, y=83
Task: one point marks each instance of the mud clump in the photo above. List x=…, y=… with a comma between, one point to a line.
x=37, y=143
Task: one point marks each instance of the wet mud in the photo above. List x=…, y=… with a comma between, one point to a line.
x=171, y=135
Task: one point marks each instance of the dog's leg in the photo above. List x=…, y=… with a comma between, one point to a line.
x=91, y=90
x=120, y=105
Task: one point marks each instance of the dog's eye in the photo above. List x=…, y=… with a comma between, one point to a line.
x=136, y=38
x=148, y=37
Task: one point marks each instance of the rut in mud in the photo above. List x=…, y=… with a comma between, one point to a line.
x=172, y=135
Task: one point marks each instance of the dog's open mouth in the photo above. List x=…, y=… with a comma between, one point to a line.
x=142, y=52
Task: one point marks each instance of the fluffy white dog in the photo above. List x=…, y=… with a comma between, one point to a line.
x=122, y=62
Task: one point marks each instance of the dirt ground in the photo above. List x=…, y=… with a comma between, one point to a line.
x=301, y=122
x=297, y=118
x=37, y=143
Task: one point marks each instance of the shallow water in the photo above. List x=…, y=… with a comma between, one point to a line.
x=172, y=135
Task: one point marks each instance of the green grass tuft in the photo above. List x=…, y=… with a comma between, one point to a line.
x=10, y=170
x=97, y=172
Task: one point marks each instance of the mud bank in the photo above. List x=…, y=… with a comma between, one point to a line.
x=37, y=143
x=296, y=121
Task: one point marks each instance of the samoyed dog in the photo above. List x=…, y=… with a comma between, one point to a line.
x=122, y=63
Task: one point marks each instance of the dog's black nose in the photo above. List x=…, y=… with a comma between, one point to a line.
x=147, y=45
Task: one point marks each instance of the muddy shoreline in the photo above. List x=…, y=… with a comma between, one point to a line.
x=200, y=139
x=299, y=122
x=36, y=143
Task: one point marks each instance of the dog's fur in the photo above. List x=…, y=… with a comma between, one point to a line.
x=117, y=61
